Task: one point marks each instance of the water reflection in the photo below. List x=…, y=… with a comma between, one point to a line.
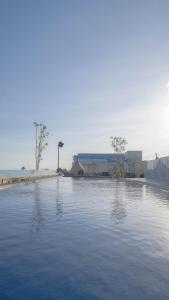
x=134, y=192
x=119, y=210
x=143, y=191
x=128, y=260
x=160, y=194
x=37, y=216
x=58, y=199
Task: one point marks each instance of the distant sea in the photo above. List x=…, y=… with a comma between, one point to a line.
x=18, y=173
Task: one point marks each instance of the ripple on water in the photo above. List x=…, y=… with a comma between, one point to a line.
x=84, y=239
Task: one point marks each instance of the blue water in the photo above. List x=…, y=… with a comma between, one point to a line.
x=84, y=239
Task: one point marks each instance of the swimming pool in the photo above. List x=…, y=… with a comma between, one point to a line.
x=74, y=239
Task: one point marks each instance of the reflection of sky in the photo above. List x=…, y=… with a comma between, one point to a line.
x=89, y=70
x=136, y=213
x=128, y=216
x=111, y=235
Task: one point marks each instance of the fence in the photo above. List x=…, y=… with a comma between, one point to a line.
x=157, y=169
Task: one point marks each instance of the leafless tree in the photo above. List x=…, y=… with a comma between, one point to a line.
x=41, y=133
x=118, y=143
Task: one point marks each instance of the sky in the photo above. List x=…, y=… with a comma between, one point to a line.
x=89, y=70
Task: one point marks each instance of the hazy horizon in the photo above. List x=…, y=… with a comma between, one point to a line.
x=88, y=70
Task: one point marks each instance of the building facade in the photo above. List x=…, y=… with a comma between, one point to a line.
x=157, y=169
x=108, y=164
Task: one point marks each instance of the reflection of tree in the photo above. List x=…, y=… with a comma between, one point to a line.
x=116, y=168
x=37, y=209
x=58, y=200
x=90, y=167
x=118, y=205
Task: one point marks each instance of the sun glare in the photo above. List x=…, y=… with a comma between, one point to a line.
x=167, y=86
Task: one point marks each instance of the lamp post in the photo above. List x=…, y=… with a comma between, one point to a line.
x=60, y=145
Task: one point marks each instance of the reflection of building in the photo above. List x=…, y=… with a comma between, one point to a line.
x=107, y=163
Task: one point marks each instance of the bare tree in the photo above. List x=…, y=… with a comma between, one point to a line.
x=41, y=133
x=118, y=143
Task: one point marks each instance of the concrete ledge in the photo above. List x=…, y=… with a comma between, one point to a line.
x=161, y=184
x=4, y=181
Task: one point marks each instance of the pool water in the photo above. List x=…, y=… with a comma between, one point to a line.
x=85, y=239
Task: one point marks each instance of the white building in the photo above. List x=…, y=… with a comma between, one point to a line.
x=106, y=163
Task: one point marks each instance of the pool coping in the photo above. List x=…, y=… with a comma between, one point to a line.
x=6, y=183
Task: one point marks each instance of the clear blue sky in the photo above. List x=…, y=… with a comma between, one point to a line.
x=88, y=70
